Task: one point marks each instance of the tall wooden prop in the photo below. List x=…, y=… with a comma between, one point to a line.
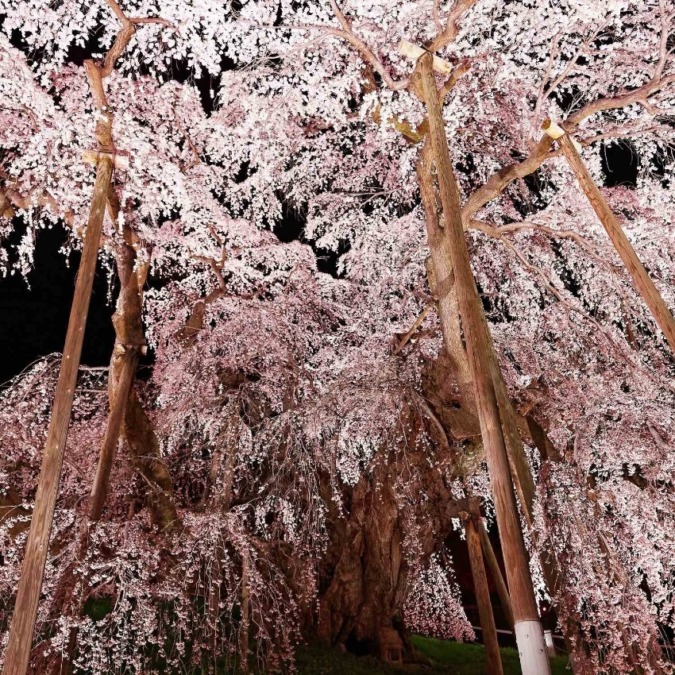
x=529, y=634
x=35, y=556
x=495, y=572
x=644, y=285
x=487, y=619
x=129, y=344
x=118, y=406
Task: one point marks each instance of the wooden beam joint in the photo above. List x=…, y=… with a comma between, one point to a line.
x=413, y=52
x=121, y=349
x=119, y=160
x=555, y=131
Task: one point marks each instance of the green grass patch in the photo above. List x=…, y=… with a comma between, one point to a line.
x=469, y=659
x=446, y=658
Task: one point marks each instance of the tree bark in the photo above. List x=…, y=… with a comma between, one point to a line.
x=364, y=591
x=528, y=628
x=495, y=571
x=137, y=427
x=462, y=420
x=364, y=574
x=643, y=283
x=480, y=584
x=118, y=404
x=18, y=650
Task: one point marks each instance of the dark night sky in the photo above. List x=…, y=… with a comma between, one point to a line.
x=34, y=319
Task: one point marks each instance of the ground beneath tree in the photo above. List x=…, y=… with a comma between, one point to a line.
x=446, y=658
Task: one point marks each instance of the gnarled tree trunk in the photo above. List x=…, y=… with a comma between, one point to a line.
x=364, y=579
x=366, y=588
x=137, y=428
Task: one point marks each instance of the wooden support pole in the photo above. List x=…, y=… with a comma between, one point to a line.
x=529, y=634
x=550, y=645
x=130, y=342
x=643, y=283
x=480, y=584
x=441, y=277
x=112, y=431
x=495, y=571
x=441, y=281
x=245, y=621
x=18, y=650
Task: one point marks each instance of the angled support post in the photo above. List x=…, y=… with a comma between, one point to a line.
x=529, y=634
x=129, y=354
x=495, y=571
x=480, y=583
x=641, y=280
x=17, y=655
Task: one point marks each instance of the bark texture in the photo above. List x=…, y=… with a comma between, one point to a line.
x=493, y=658
x=365, y=575
x=137, y=428
x=482, y=365
x=365, y=591
x=18, y=650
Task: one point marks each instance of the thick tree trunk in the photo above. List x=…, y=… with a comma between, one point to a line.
x=364, y=578
x=366, y=588
x=528, y=629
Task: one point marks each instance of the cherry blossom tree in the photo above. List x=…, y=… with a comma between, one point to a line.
x=205, y=246
x=282, y=464
x=351, y=58
x=353, y=380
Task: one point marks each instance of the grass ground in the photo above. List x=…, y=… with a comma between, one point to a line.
x=447, y=658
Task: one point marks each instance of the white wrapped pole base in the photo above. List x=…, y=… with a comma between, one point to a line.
x=532, y=648
x=550, y=645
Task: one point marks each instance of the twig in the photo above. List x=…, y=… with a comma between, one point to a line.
x=413, y=329
x=663, y=41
